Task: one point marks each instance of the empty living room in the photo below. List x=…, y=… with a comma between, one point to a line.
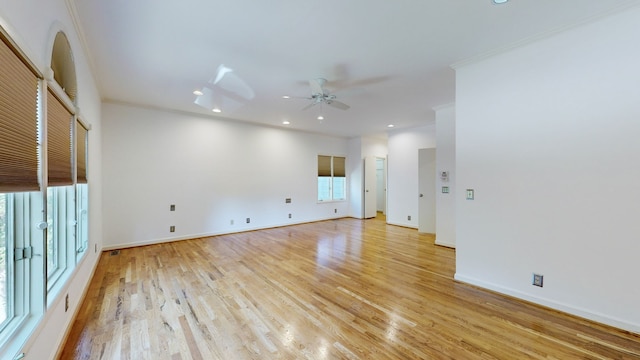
x=319, y=180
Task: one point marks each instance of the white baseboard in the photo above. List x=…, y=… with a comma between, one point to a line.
x=569, y=309
x=402, y=225
x=445, y=243
x=196, y=236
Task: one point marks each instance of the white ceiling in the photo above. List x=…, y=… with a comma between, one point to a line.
x=390, y=60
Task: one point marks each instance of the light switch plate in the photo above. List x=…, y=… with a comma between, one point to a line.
x=470, y=194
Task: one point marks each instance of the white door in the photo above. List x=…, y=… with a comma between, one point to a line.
x=427, y=191
x=381, y=183
x=370, y=192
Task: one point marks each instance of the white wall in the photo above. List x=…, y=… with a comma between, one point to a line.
x=214, y=171
x=355, y=170
x=402, y=168
x=446, y=161
x=33, y=25
x=374, y=146
x=547, y=135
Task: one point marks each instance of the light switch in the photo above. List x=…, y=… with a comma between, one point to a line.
x=470, y=194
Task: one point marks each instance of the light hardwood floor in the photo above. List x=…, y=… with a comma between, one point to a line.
x=340, y=289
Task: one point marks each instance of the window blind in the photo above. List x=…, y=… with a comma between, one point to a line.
x=324, y=165
x=81, y=153
x=59, y=120
x=338, y=166
x=18, y=122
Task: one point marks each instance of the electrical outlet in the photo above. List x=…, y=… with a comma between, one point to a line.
x=172, y=228
x=287, y=201
x=537, y=280
x=231, y=222
x=248, y=220
x=289, y=216
x=172, y=207
x=335, y=211
x=95, y=248
x=409, y=217
x=66, y=303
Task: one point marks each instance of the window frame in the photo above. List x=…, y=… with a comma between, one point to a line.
x=9, y=262
x=332, y=177
x=27, y=274
x=82, y=220
x=31, y=290
x=63, y=232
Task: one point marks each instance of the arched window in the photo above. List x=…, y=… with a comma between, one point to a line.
x=64, y=70
x=42, y=141
x=67, y=138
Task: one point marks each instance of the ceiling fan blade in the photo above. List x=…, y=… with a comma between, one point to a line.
x=349, y=92
x=297, y=97
x=316, y=86
x=338, y=104
x=309, y=106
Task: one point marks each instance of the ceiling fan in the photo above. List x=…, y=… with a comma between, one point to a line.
x=320, y=95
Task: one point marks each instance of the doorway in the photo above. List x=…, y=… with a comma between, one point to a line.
x=381, y=188
x=375, y=187
x=427, y=191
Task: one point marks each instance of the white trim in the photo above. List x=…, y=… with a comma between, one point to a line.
x=444, y=106
x=44, y=320
x=84, y=44
x=204, y=235
x=445, y=243
x=82, y=122
x=403, y=225
x=57, y=90
x=570, y=309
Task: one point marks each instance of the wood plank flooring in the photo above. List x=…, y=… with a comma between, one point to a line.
x=340, y=289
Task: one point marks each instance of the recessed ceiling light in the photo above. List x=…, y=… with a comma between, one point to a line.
x=499, y=1
x=216, y=110
x=286, y=97
x=390, y=125
x=320, y=117
x=197, y=92
x=285, y=122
